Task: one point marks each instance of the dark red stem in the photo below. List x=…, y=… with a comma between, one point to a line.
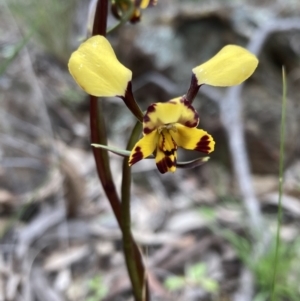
x=98, y=135
x=193, y=89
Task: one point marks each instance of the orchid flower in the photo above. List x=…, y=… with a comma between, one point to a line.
x=121, y=7
x=169, y=125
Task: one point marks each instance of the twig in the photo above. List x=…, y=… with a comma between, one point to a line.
x=20, y=124
x=45, y=221
x=19, y=162
x=21, y=145
x=179, y=259
x=41, y=287
x=278, y=25
x=81, y=231
x=245, y=291
x=231, y=115
x=157, y=79
x=37, y=228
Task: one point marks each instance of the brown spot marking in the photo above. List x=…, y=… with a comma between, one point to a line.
x=162, y=167
x=172, y=102
x=137, y=156
x=169, y=153
x=203, y=145
x=187, y=103
x=191, y=124
x=164, y=164
x=169, y=162
x=151, y=108
x=147, y=130
x=194, y=122
x=146, y=118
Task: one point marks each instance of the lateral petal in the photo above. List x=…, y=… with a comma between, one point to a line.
x=230, y=66
x=177, y=110
x=166, y=153
x=193, y=139
x=96, y=69
x=145, y=3
x=143, y=148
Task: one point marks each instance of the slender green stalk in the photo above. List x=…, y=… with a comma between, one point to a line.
x=19, y=47
x=281, y=164
x=132, y=267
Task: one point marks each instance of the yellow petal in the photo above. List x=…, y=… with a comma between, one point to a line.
x=145, y=3
x=96, y=69
x=177, y=110
x=192, y=138
x=166, y=153
x=143, y=148
x=230, y=66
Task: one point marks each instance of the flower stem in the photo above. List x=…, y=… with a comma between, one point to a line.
x=98, y=136
x=193, y=89
x=126, y=17
x=132, y=104
x=100, y=21
x=98, y=130
x=133, y=269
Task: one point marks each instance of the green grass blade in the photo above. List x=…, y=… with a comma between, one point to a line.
x=17, y=50
x=281, y=164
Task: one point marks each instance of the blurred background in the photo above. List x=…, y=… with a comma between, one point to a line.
x=59, y=238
